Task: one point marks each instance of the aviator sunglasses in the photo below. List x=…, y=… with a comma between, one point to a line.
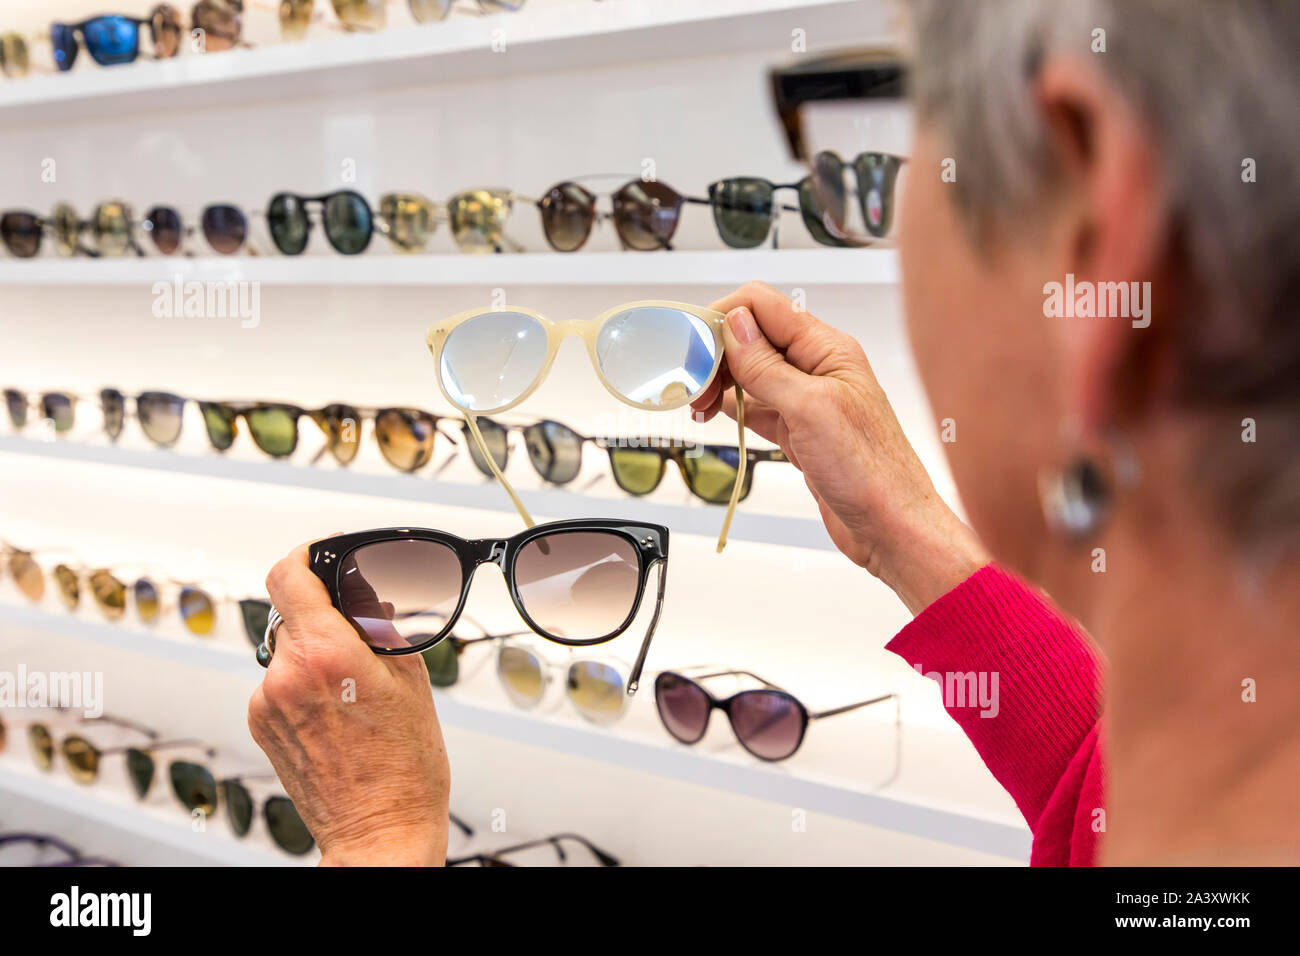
x=653, y=355
x=576, y=583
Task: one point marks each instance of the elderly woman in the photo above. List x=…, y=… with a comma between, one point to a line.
x=1142, y=470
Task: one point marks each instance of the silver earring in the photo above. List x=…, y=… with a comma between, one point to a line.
x=1077, y=500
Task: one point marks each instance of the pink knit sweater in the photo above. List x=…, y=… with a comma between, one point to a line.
x=1042, y=745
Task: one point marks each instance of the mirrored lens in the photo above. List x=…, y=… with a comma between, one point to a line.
x=683, y=707
x=408, y=220
x=555, y=451
x=770, y=723
x=490, y=360
x=41, y=743
x=286, y=218
x=163, y=223
x=348, y=222
x=254, y=612
x=160, y=415
x=596, y=691
x=147, y=602
x=197, y=611
x=27, y=575
x=111, y=40
x=477, y=219
x=342, y=427
x=21, y=233
x=522, y=676
x=710, y=472
x=239, y=806
x=442, y=661
x=742, y=211
x=224, y=227
x=579, y=585
x=657, y=356
x=82, y=758
x=67, y=229
x=69, y=586
x=396, y=593
x=109, y=594
x=110, y=224
x=140, y=770
x=406, y=437
x=497, y=441
x=636, y=470
x=286, y=827
x=194, y=786
x=274, y=428
x=568, y=213
x=112, y=404
x=64, y=41
x=646, y=214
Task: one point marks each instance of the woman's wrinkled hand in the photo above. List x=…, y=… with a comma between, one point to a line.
x=353, y=736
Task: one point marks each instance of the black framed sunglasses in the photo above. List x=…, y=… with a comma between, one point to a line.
x=345, y=216
x=576, y=582
x=495, y=857
x=769, y=722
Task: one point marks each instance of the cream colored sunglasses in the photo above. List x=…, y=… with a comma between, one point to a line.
x=655, y=355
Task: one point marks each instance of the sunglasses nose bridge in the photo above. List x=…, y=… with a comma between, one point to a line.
x=490, y=551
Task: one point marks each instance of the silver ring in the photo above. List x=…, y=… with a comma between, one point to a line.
x=266, y=650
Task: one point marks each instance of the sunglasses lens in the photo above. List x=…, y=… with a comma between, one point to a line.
x=361, y=14
x=711, y=473
x=441, y=661
x=164, y=226
x=568, y=212
x=637, y=470
x=348, y=223
x=406, y=437
x=197, y=611
x=140, y=768
x=286, y=827
x=220, y=22
x=822, y=199
x=165, y=25
x=109, y=594
x=147, y=604
x=877, y=174
x=64, y=40
x=42, y=745
x=59, y=410
x=254, y=613
x=160, y=416
x=492, y=359
x=111, y=40
x=657, y=356
x=430, y=11
x=742, y=211
x=683, y=707
x=342, y=427
x=274, y=428
x=395, y=593
x=111, y=227
x=295, y=18
x=27, y=575
x=409, y=220
x=16, y=403
x=495, y=439
x=194, y=786
x=14, y=58
x=521, y=675
x=580, y=585
x=82, y=759
x=67, y=228
x=596, y=691
x=69, y=586
x=769, y=723
x=477, y=220
x=239, y=806
x=286, y=217
x=21, y=233
x=112, y=404
x=646, y=214
x=219, y=420
x=225, y=228
x=555, y=451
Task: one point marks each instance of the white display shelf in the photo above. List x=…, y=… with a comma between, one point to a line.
x=897, y=806
x=547, y=38
x=804, y=267
x=548, y=503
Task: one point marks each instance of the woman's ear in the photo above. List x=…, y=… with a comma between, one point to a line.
x=1110, y=244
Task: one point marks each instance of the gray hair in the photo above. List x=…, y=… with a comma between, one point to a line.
x=1218, y=83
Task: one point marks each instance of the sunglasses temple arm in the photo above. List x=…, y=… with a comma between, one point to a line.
x=635, y=680
x=740, y=470
x=472, y=422
x=848, y=707
x=460, y=824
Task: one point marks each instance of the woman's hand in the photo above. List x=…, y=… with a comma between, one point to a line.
x=810, y=389
x=353, y=736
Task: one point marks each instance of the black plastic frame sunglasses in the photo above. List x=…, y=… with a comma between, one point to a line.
x=290, y=224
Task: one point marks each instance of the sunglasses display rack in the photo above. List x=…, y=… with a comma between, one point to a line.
x=580, y=88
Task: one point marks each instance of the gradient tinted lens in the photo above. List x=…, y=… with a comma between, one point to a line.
x=497, y=441
x=112, y=404
x=286, y=217
x=342, y=427
x=683, y=707
x=14, y=58
x=396, y=593
x=16, y=403
x=636, y=470
x=42, y=745
x=82, y=759
x=596, y=691
x=555, y=451
x=147, y=603
x=295, y=18
x=197, y=611
x=109, y=594
x=361, y=14
x=877, y=174
x=219, y=420
x=488, y=361
x=67, y=229
x=140, y=770
x=239, y=806
x=21, y=233
x=254, y=612
x=406, y=437
x=579, y=585
x=286, y=827
x=348, y=222
x=522, y=676
x=194, y=786
x=111, y=226
x=224, y=227
x=64, y=40
x=477, y=219
x=165, y=30
x=646, y=214
x=742, y=211
x=69, y=586
x=220, y=22
x=59, y=410
x=769, y=723
x=163, y=223
x=274, y=428
x=111, y=40
x=442, y=661
x=27, y=575
x=711, y=473
x=408, y=220
x=568, y=213
x=160, y=415
x=657, y=356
